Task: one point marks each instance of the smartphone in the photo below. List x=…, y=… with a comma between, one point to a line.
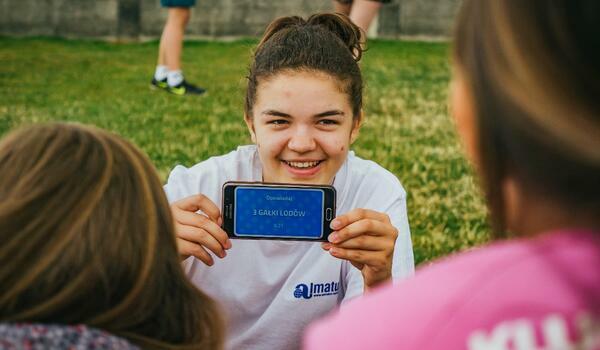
x=256, y=210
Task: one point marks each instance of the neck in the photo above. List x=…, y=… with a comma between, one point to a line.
x=529, y=215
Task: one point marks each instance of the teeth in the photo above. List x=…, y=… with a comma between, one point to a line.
x=303, y=164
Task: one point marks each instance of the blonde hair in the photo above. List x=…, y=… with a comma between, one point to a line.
x=87, y=238
x=533, y=69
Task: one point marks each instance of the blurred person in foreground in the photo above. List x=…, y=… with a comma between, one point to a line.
x=88, y=256
x=526, y=99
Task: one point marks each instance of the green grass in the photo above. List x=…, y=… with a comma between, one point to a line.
x=407, y=128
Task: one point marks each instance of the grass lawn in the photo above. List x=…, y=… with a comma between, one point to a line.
x=407, y=128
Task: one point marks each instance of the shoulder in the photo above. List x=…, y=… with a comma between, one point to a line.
x=450, y=299
x=216, y=164
x=210, y=173
x=370, y=176
x=365, y=184
x=403, y=305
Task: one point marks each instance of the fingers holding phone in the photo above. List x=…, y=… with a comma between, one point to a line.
x=198, y=233
x=366, y=238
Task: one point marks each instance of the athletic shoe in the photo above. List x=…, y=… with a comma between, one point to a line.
x=161, y=84
x=185, y=88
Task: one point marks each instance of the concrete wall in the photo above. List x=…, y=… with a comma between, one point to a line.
x=133, y=19
x=226, y=18
x=85, y=18
x=435, y=17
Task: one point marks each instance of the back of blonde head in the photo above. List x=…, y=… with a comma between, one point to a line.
x=87, y=237
x=533, y=69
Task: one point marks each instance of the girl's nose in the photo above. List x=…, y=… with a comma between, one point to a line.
x=302, y=141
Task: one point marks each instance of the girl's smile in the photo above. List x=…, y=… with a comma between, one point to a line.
x=303, y=167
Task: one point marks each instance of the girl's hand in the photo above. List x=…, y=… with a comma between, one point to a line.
x=198, y=232
x=366, y=238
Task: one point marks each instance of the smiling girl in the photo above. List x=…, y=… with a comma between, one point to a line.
x=303, y=110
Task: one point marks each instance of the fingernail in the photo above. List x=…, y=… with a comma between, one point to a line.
x=325, y=246
x=228, y=244
x=333, y=251
x=335, y=224
x=223, y=254
x=333, y=238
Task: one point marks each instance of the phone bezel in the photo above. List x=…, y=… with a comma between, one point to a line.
x=228, y=208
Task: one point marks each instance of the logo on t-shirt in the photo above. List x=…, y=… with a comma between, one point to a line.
x=308, y=291
x=553, y=331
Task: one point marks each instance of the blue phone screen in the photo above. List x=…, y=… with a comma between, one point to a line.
x=277, y=212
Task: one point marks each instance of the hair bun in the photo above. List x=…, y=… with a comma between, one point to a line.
x=343, y=28
x=277, y=25
x=340, y=25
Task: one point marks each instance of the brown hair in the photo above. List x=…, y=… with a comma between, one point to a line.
x=87, y=238
x=327, y=43
x=533, y=69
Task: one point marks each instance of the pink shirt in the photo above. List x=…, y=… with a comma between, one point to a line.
x=542, y=293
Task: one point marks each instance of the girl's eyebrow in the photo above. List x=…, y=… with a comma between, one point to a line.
x=276, y=113
x=330, y=113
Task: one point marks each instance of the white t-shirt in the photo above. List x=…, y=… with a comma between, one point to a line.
x=270, y=290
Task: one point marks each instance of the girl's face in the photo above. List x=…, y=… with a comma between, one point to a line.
x=302, y=124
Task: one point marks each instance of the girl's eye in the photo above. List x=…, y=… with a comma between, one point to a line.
x=328, y=122
x=277, y=122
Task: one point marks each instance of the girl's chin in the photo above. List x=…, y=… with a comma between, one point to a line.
x=300, y=180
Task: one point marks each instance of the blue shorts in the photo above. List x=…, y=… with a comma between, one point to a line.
x=177, y=3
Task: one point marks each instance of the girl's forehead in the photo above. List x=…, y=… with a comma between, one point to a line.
x=314, y=79
x=298, y=96
x=317, y=87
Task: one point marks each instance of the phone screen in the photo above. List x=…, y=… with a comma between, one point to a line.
x=278, y=212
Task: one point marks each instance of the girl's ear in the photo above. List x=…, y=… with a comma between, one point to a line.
x=463, y=110
x=357, y=123
x=250, y=126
